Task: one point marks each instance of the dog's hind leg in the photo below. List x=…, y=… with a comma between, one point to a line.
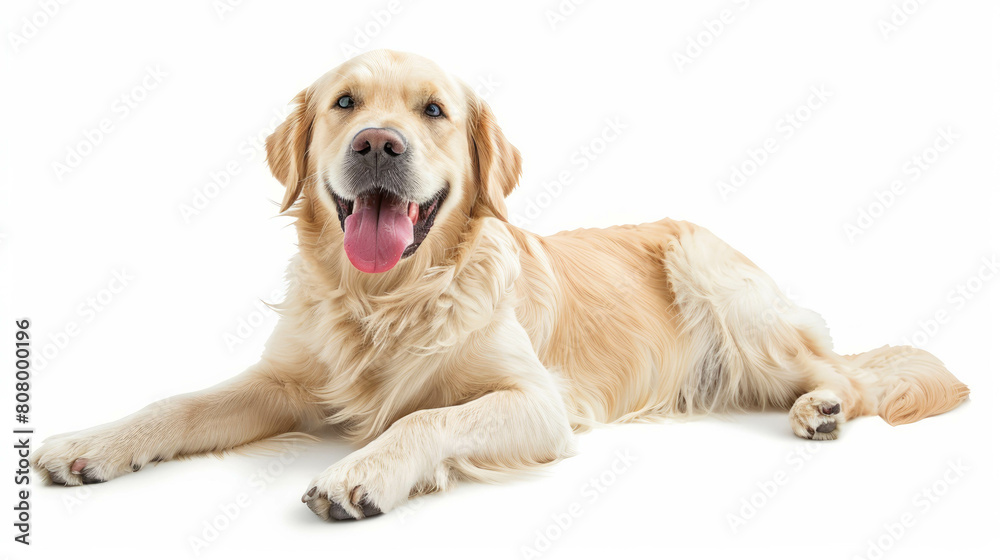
x=747, y=346
x=750, y=347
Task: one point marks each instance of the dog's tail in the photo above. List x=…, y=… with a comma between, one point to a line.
x=909, y=384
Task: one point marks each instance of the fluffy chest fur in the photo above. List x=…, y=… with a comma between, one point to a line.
x=374, y=358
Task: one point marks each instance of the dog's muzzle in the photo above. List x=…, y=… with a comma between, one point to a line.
x=381, y=219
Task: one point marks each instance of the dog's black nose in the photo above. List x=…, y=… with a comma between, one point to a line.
x=371, y=141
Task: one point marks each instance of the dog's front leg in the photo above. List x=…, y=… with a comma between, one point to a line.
x=259, y=403
x=520, y=424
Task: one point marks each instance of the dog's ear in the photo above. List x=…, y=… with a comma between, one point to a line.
x=287, y=147
x=496, y=163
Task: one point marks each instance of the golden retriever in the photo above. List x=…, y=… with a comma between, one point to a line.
x=454, y=345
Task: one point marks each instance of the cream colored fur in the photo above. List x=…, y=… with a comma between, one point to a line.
x=484, y=351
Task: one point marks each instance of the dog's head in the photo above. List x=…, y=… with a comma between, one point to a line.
x=395, y=150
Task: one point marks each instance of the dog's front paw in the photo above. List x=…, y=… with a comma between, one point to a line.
x=817, y=415
x=86, y=457
x=367, y=483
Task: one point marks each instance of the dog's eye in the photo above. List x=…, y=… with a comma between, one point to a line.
x=345, y=102
x=433, y=110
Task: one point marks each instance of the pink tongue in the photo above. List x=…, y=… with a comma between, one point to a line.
x=377, y=232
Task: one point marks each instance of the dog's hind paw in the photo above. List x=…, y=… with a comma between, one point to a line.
x=817, y=415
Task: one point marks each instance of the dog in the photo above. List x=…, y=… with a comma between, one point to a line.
x=454, y=345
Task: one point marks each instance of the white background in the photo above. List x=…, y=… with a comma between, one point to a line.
x=196, y=281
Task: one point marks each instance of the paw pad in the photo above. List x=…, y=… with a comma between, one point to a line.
x=817, y=415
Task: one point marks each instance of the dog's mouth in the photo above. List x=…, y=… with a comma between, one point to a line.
x=380, y=228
